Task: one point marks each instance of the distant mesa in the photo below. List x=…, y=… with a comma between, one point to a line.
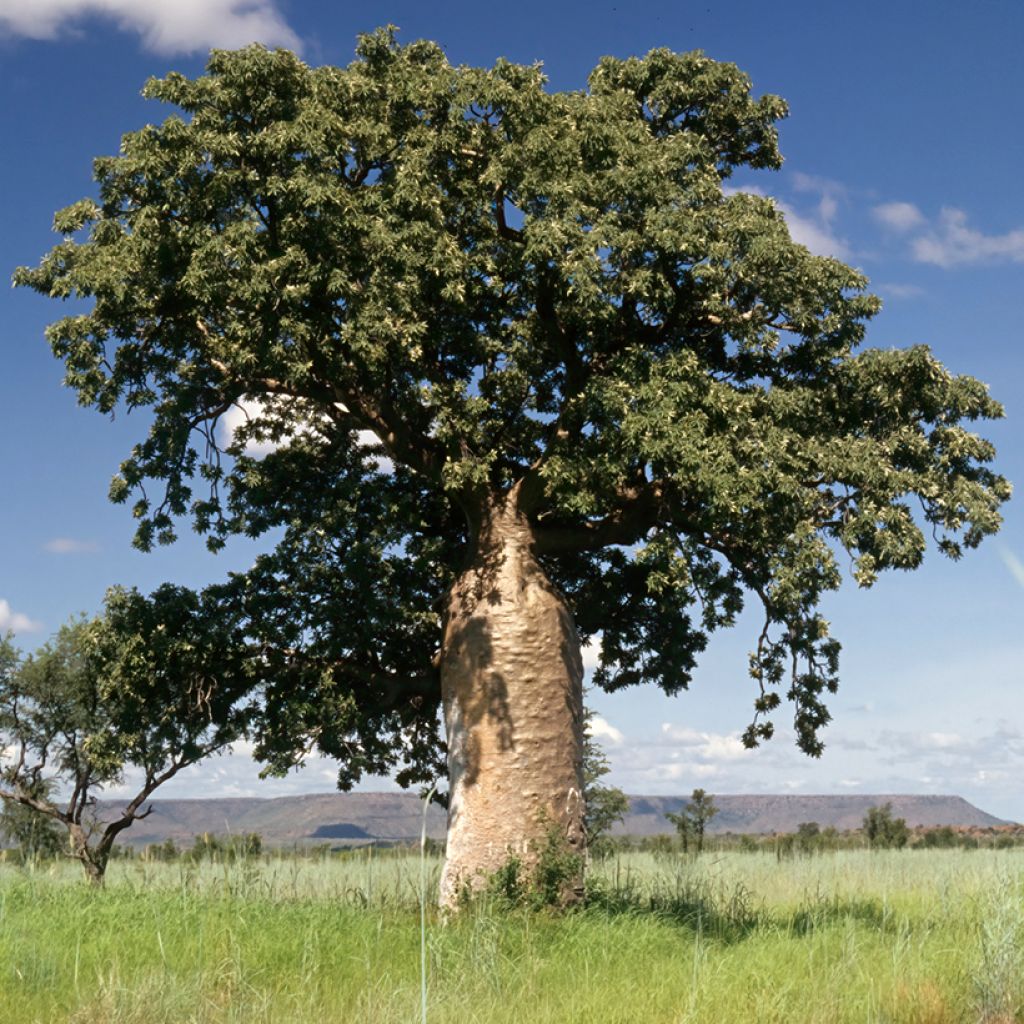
x=765, y=814
x=360, y=818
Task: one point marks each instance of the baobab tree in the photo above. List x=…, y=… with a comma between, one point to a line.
x=532, y=375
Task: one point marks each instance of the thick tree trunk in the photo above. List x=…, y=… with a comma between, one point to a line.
x=512, y=681
x=95, y=867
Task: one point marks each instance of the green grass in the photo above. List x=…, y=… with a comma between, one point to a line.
x=915, y=937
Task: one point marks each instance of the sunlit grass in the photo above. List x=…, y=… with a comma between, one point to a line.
x=912, y=936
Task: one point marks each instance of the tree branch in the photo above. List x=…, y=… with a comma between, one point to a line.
x=635, y=515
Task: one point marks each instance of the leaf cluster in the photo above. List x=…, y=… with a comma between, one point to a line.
x=153, y=685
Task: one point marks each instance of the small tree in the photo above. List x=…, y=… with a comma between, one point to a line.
x=605, y=805
x=808, y=836
x=153, y=685
x=35, y=835
x=692, y=821
x=883, y=830
x=701, y=810
x=943, y=838
x=684, y=827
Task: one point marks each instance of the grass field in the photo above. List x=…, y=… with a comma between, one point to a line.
x=921, y=937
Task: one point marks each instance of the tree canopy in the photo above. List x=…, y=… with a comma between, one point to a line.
x=429, y=285
x=131, y=697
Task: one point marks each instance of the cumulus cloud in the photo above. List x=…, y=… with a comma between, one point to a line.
x=898, y=216
x=815, y=227
x=248, y=409
x=815, y=233
x=70, y=546
x=812, y=226
x=937, y=748
x=166, y=26
x=591, y=652
x=707, y=746
x=16, y=622
x=953, y=243
x=605, y=732
x=237, y=417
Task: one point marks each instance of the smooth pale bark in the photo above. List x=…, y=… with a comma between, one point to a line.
x=512, y=682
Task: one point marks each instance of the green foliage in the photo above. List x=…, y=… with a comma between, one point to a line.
x=550, y=878
x=35, y=835
x=941, y=838
x=692, y=821
x=605, y=805
x=494, y=285
x=226, y=848
x=683, y=826
x=154, y=684
x=557, y=873
x=166, y=852
x=808, y=836
x=507, y=885
x=883, y=831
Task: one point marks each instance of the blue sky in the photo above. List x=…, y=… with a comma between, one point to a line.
x=903, y=152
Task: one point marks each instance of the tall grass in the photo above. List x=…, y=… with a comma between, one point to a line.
x=915, y=937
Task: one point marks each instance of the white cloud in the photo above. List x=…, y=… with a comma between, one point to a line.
x=803, y=182
x=1014, y=564
x=954, y=243
x=1004, y=743
x=814, y=228
x=250, y=409
x=901, y=291
x=166, y=26
x=941, y=741
x=899, y=216
x=70, y=546
x=707, y=746
x=811, y=228
x=605, y=731
x=237, y=417
x=815, y=232
x=15, y=621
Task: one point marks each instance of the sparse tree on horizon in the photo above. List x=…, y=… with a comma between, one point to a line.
x=883, y=831
x=692, y=821
x=533, y=375
x=136, y=695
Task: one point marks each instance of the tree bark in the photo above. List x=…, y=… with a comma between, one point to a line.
x=95, y=867
x=512, y=684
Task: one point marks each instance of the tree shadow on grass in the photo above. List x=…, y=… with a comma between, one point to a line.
x=729, y=916
x=718, y=916
x=823, y=911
